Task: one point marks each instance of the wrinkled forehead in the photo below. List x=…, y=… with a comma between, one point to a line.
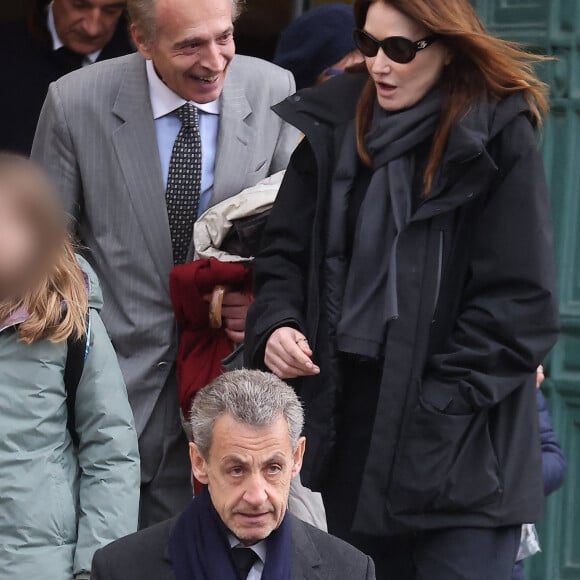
x=91, y=4
x=256, y=443
x=188, y=14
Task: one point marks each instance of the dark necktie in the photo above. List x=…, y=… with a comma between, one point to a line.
x=184, y=182
x=244, y=559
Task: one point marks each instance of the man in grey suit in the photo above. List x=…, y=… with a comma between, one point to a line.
x=247, y=428
x=139, y=147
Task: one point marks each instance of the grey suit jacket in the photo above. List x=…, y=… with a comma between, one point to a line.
x=96, y=136
x=316, y=556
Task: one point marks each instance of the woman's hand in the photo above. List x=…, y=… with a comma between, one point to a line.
x=288, y=354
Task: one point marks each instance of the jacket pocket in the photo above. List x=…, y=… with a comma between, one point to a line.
x=445, y=463
x=63, y=506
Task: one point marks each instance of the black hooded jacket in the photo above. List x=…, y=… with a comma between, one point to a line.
x=453, y=439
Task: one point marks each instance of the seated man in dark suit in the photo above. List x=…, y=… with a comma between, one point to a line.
x=248, y=447
x=56, y=38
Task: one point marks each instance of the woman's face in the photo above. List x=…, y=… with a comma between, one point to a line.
x=18, y=247
x=400, y=86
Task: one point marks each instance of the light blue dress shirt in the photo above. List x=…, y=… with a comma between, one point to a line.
x=164, y=102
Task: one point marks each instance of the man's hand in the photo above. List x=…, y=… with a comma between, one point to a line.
x=288, y=354
x=234, y=313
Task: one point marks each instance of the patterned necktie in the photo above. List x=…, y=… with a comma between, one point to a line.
x=184, y=182
x=244, y=559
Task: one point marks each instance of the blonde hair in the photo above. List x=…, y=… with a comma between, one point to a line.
x=55, y=295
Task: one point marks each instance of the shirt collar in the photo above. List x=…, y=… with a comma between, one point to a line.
x=57, y=42
x=260, y=548
x=165, y=101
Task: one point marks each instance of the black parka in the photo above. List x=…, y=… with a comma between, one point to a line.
x=455, y=434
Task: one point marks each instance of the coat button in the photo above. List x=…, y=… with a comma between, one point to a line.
x=296, y=98
x=470, y=195
x=162, y=365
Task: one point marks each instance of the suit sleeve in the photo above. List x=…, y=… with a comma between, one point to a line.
x=99, y=569
x=509, y=314
x=289, y=136
x=108, y=451
x=281, y=267
x=53, y=149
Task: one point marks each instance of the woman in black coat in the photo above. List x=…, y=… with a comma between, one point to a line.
x=407, y=283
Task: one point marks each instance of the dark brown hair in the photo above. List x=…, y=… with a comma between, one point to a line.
x=481, y=66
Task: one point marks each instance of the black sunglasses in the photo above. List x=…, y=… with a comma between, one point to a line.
x=397, y=48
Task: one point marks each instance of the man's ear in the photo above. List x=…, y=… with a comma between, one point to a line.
x=198, y=464
x=298, y=456
x=140, y=41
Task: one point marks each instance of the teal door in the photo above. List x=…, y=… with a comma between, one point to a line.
x=553, y=27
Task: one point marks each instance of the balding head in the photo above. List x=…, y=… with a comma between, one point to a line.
x=143, y=13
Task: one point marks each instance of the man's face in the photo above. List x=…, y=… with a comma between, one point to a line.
x=193, y=47
x=248, y=472
x=86, y=26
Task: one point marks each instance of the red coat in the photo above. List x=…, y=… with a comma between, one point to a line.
x=201, y=348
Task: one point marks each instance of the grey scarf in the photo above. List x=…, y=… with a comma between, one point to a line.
x=370, y=298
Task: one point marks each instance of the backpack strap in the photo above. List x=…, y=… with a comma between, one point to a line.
x=78, y=350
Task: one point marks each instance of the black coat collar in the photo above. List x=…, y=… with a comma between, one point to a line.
x=467, y=167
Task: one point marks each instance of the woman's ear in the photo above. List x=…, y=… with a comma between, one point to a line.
x=198, y=464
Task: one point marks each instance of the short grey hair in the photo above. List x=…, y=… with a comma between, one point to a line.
x=253, y=398
x=142, y=14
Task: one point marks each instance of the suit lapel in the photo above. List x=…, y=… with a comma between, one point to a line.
x=306, y=563
x=135, y=143
x=235, y=138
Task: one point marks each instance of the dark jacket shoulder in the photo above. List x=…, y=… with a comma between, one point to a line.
x=333, y=102
x=330, y=556
x=140, y=555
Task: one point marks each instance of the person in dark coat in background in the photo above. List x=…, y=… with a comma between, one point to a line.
x=553, y=459
x=318, y=45
x=407, y=283
x=56, y=38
